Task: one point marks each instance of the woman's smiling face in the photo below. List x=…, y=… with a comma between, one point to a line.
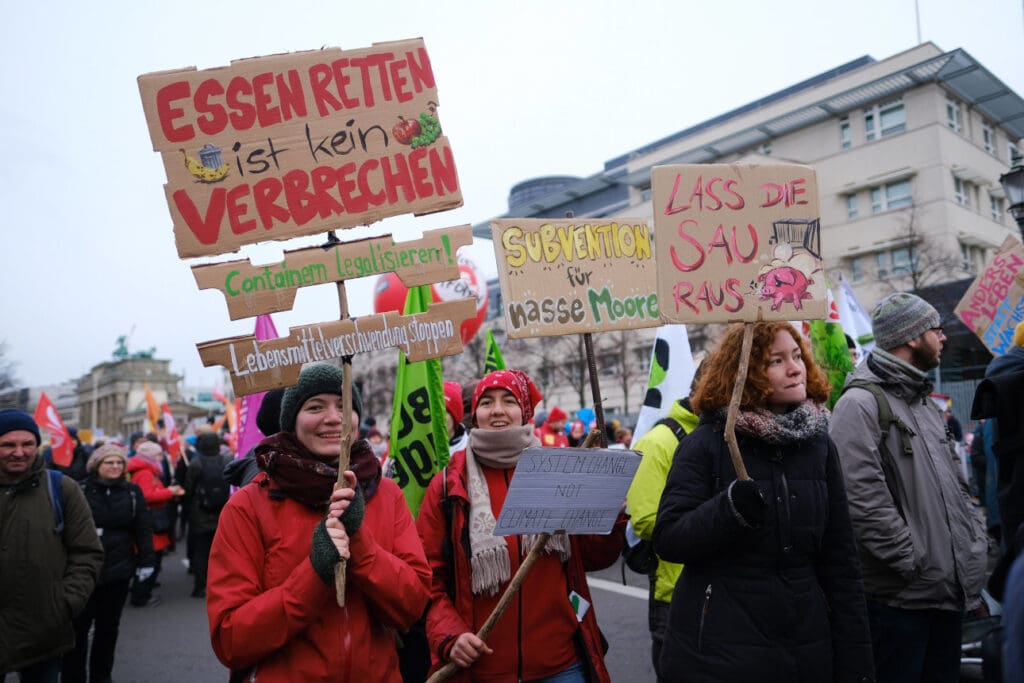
x=498, y=409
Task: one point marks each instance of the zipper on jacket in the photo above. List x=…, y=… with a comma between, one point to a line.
x=703, y=613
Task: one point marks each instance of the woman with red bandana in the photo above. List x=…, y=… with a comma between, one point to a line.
x=541, y=637
x=270, y=592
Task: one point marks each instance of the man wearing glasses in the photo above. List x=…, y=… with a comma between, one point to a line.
x=49, y=555
x=922, y=541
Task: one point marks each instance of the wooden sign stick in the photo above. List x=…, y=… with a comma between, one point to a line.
x=346, y=433
x=446, y=671
x=734, y=402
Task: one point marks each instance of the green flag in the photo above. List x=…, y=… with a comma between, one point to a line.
x=494, y=359
x=419, y=431
x=828, y=345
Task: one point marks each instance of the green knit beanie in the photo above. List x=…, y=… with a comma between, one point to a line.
x=319, y=378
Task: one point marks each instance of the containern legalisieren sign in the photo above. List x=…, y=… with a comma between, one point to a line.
x=251, y=290
x=276, y=147
x=738, y=242
x=574, y=276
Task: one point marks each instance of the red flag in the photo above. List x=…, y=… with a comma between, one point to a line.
x=48, y=418
x=173, y=438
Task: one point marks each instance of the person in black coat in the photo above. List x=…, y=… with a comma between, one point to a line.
x=771, y=587
x=124, y=527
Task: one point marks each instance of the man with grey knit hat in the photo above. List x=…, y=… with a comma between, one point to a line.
x=921, y=539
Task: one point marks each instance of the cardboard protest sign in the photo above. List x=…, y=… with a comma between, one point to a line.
x=275, y=147
x=252, y=290
x=736, y=241
x=262, y=365
x=574, y=276
x=994, y=303
x=579, y=491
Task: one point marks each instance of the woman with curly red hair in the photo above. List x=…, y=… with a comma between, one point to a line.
x=771, y=588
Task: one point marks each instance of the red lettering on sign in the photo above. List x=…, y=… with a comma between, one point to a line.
x=787, y=194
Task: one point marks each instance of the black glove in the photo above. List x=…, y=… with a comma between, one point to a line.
x=323, y=555
x=748, y=502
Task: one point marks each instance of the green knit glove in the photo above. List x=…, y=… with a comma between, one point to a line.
x=323, y=555
x=353, y=515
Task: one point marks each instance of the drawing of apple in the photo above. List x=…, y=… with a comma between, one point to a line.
x=405, y=130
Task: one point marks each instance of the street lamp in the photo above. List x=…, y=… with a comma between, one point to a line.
x=1013, y=184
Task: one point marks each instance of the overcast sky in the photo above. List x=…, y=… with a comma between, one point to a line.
x=526, y=89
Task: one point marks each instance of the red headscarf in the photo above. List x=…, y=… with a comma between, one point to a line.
x=453, y=400
x=514, y=381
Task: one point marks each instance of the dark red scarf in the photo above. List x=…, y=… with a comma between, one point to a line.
x=303, y=477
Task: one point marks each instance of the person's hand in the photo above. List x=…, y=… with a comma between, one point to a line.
x=143, y=573
x=176, y=490
x=336, y=532
x=347, y=504
x=467, y=649
x=748, y=501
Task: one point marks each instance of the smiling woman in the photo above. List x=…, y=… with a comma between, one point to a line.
x=280, y=538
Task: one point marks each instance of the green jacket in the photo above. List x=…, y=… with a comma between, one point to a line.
x=46, y=577
x=657, y=446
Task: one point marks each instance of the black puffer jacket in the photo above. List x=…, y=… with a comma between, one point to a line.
x=123, y=525
x=782, y=602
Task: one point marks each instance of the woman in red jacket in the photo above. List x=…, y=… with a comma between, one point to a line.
x=145, y=469
x=270, y=589
x=541, y=636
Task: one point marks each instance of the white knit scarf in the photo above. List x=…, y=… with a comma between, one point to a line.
x=499, y=449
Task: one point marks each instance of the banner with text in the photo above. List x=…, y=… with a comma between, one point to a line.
x=994, y=303
x=573, y=276
x=262, y=365
x=275, y=147
x=736, y=241
x=252, y=290
x=576, y=490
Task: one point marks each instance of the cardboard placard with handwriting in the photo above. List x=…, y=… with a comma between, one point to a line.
x=276, y=147
x=575, y=490
x=993, y=305
x=262, y=365
x=574, y=276
x=737, y=242
x=252, y=290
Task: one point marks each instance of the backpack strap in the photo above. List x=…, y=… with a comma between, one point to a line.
x=447, y=503
x=674, y=425
x=886, y=421
x=56, y=500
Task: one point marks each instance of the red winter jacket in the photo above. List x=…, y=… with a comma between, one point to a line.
x=538, y=609
x=552, y=438
x=146, y=475
x=268, y=609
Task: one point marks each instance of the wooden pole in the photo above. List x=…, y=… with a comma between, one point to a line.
x=595, y=389
x=346, y=426
x=734, y=403
x=446, y=671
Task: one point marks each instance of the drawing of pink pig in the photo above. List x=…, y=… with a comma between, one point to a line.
x=784, y=284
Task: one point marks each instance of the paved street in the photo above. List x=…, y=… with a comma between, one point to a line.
x=170, y=643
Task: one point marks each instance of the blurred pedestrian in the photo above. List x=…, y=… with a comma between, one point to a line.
x=145, y=470
x=206, y=494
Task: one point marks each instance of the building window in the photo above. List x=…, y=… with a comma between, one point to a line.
x=891, y=196
x=1011, y=152
x=894, y=262
x=953, y=115
x=973, y=257
x=889, y=118
x=845, y=139
x=851, y=206
x=856, y=269
x=960, y=192
x=988, y=137
x=995, y=205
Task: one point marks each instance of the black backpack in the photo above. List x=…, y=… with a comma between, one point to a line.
x=212, y=491
x=641, y=557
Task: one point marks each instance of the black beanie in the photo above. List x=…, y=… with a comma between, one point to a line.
x=208, y=443
x=12, y=420
x=268, y=417
x=320, y=378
